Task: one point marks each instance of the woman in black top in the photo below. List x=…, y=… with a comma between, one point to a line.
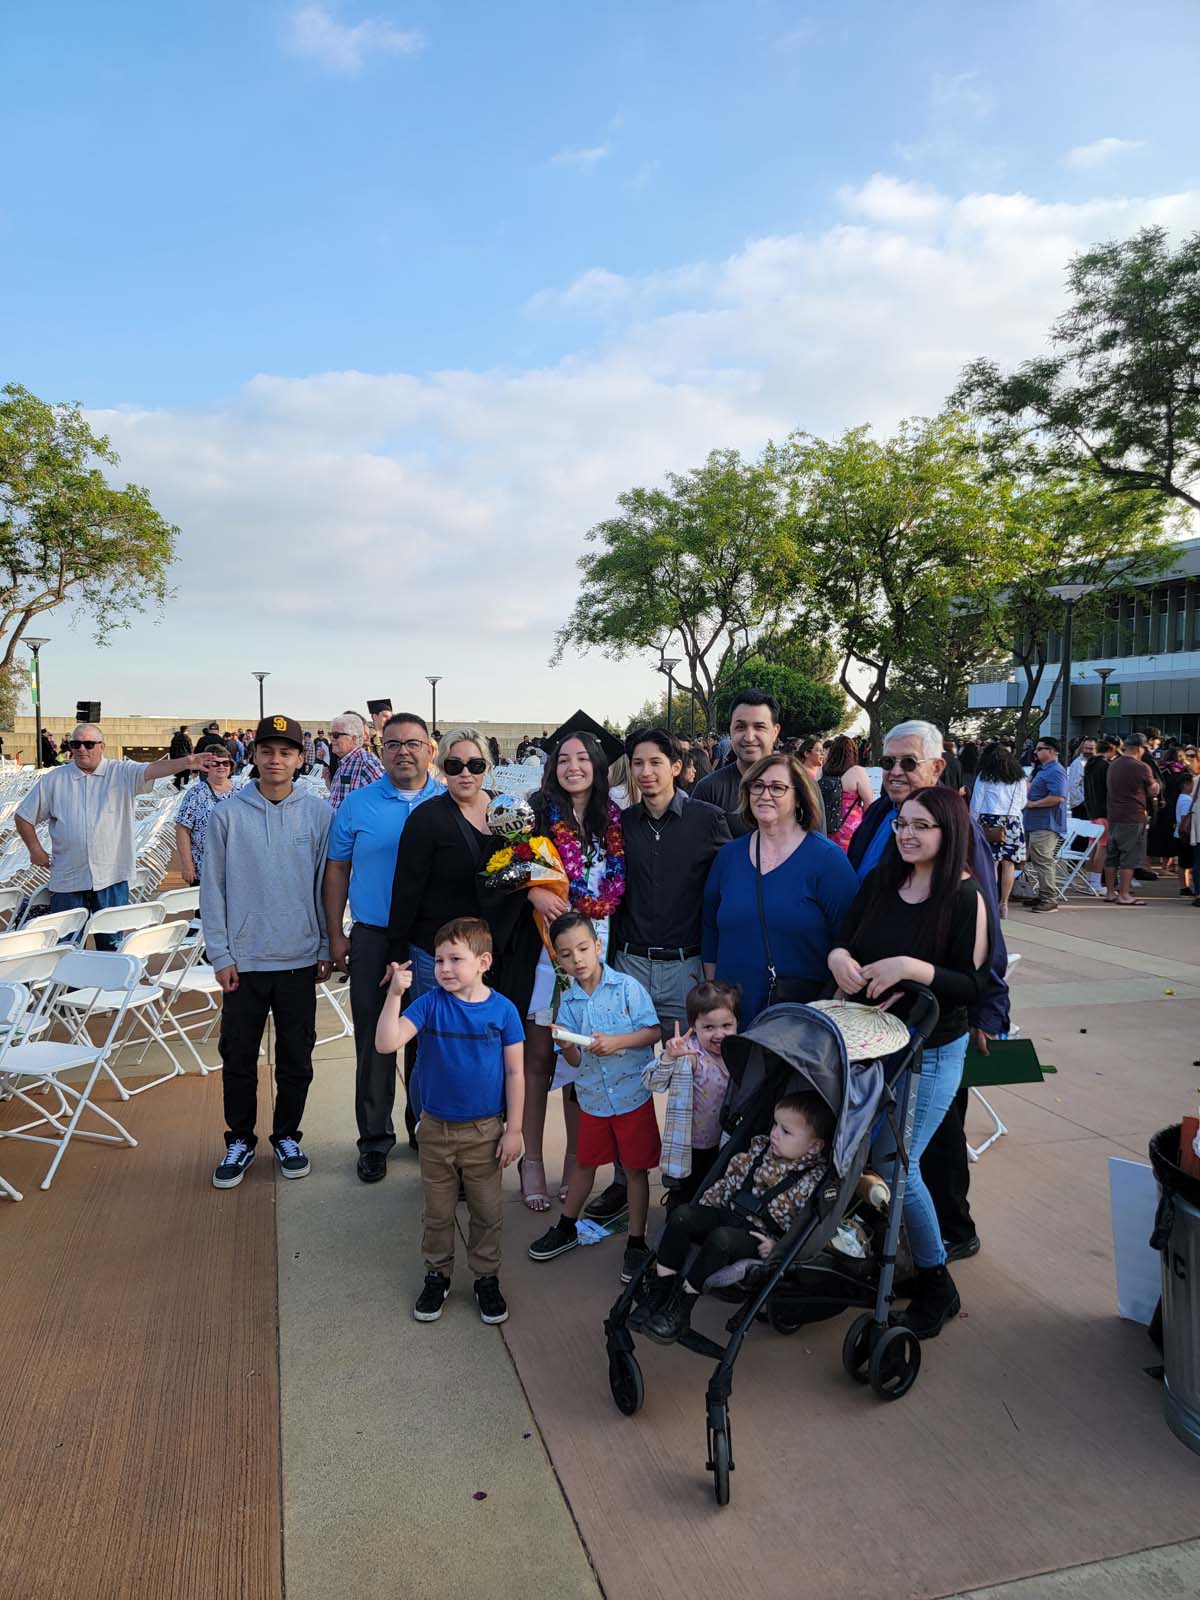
x=919, y=917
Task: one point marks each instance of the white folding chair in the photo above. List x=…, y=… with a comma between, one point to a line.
x=23, y=940
x=59, y=927
x=115, y=921
x=183, y=903
x=27, y=1063
x=10, y=904
x=998, y=1127
x=7, y=1188
x=1078, y=848
x=337, y=992
x=37, y=902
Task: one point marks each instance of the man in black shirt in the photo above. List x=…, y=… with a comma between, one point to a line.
x=754, y=730
x=670, y=842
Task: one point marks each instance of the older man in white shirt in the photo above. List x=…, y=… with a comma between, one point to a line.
x=89, y=804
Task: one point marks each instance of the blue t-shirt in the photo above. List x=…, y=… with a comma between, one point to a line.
x=461, y=1057
x=1047, y=780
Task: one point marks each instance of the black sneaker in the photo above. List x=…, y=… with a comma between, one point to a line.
x=656, y=1297
x=293, y=1163
x=614, y=1202
x=432, y=1297
x=492, y=1307
x=633, y=1261
x=372, y=1166
x=238, y=1156
x=964, y=1250
x=674, y=1320
x=556, y=1241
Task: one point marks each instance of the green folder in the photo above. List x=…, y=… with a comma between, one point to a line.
x=1007, y=1061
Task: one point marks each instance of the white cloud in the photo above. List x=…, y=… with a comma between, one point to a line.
x=960, y=95
x=1086, y=156
x=358, y=530
x=315, y=34
x=586, y=156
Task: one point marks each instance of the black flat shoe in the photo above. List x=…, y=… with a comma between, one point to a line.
x=372, y=1166
x=964, y=1250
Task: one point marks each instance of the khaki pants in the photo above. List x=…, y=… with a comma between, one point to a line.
x=1041, y=849
x=467, y=1149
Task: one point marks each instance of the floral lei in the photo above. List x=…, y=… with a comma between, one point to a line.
x=612, y=886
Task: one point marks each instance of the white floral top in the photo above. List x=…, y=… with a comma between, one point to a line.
x=198, y=804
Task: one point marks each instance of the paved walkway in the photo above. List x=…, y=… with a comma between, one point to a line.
x=1030, y=1462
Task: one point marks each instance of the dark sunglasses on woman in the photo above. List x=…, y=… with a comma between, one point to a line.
x=453, y=766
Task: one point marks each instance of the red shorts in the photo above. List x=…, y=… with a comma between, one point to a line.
x=630, y=1138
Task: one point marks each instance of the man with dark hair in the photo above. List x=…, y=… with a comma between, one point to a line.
x=1132, y=788
x=670, y=842
x=210, y=739
x=361, y=863
x=1045, y=823
x=754, y=730
x=181, y=745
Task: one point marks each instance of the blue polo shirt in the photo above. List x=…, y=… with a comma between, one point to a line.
x=366, y=832
x=1047, y=780
x=609, y=1085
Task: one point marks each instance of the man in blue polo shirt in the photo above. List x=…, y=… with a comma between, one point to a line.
x=360, y=865
x=1045, y=823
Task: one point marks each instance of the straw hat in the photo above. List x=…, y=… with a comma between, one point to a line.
x=867, y=1031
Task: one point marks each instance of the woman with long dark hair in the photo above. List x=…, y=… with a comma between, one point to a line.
x=573, y=808
x=919, y=918
x=998, y=805
x=841, y=762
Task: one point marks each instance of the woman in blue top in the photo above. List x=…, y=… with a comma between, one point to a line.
x=807, y=887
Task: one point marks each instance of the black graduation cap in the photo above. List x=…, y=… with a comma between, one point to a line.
x=613, y=747
x=374, y=707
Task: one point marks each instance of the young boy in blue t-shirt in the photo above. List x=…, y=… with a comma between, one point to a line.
x=472, y=1083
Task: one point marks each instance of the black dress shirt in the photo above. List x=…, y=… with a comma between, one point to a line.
x=666, y=866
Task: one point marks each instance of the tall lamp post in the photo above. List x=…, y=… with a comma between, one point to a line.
x=35, y=646
x=668, y=665
x=1068, y=593
x=260, y=676
x=433, y=679
x=1104, y=674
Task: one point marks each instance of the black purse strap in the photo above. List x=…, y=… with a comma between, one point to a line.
x=756, y=847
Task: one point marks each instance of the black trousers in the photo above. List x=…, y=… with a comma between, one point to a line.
x=681, y=1190
x=947, y=1173
x=718, y=1231
x=375, y=1075
x=290, y=998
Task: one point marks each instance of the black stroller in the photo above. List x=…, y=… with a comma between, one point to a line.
x=789, y=1048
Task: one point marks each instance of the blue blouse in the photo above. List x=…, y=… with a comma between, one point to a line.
x=805, y=899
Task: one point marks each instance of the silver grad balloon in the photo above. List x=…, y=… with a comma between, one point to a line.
x=510, y=816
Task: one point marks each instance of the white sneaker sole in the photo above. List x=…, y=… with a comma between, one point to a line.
x=549, y=1255
x=431, y=1316
x=493, y=1321
x=301, y=1172
x=232, y=1183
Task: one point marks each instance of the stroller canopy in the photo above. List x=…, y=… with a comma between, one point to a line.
x=809, y=1044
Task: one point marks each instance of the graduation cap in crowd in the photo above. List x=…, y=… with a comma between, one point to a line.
x=376, y=706
x=613, y=747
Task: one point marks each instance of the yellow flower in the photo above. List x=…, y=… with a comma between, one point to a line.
x=500, y=860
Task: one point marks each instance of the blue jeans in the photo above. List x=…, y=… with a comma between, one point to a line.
x=423, y=981
x=941, y=1075
x=117, y=894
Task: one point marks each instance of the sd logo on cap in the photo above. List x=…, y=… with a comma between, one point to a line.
x=280, y=728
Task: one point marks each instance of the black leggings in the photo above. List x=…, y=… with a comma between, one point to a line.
x=719, y=1233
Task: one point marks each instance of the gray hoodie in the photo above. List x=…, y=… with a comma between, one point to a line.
x=260, y=889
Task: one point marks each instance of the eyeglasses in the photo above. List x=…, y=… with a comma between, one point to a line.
x=212, y=765
x=342, y=735
x=902, y=825
x=410, y=747
x=775, y=790
x=905, y=763
x=452, y=766
x=85, y=744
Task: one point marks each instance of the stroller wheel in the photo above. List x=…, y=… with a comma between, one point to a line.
x=895, y=1362
x=625, y=1381
x=856, y=1347
x=721, y=1466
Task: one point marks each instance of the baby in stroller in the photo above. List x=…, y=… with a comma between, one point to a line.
x=752, y=1205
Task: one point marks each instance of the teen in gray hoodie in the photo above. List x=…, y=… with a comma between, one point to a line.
x=264, y=932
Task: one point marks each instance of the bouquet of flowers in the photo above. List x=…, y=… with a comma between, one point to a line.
x=525, y=858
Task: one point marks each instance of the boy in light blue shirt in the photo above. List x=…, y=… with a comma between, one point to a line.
x=606, y=1029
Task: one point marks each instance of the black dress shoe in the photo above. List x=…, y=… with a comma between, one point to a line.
x=962, y=1252
x=612, y=1203
x=372, y=1166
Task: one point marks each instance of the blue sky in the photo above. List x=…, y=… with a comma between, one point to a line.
x=378, y=299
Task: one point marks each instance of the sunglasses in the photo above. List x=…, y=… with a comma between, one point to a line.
x=452, y=766
x=85, y=744
x=905, y=763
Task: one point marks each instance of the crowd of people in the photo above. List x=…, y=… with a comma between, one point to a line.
x=680, y=915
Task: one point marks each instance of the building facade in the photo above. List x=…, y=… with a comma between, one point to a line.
x=1150, y=647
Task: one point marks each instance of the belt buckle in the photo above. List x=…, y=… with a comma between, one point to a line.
x=663, y=952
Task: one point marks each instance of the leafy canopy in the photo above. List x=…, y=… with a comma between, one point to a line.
x=805, y=706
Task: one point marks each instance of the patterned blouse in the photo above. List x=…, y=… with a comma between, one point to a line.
x=198, y=804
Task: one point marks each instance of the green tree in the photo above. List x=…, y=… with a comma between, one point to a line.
x=1120, y=392
x=889, y=532
x=805, y=706
x=932, y=676
x=802, y=646
x=653, y=714
x=696, y=569
x=67, y=537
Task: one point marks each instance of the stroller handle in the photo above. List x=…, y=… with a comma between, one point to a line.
x=921, y=1011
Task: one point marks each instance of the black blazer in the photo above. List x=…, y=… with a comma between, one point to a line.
x=436, y=877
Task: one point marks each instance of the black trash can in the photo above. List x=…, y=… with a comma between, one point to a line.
x=1176, y=1237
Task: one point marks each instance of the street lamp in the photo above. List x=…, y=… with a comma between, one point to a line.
x=35, y=645
x=260, y=676
x=1104, y=674
x=433, y=679
x=668, y=665
x=1068, y=593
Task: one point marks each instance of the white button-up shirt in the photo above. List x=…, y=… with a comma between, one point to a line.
x=91, y=822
